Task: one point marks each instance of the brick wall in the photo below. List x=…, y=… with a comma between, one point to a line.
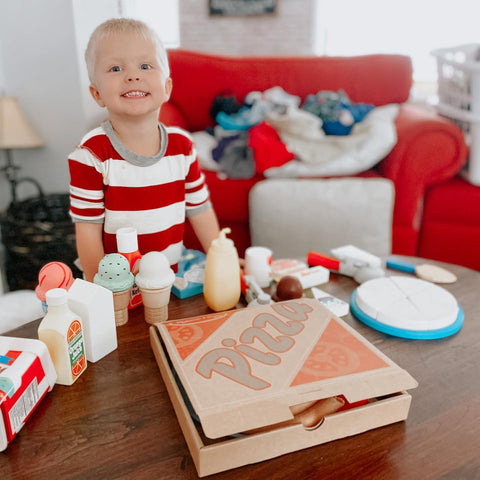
x=289, y=31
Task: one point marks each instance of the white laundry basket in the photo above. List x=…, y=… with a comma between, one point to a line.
x=459, y=97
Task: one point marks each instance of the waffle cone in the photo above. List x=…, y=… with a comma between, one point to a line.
x=120, y=305
x=155, y=303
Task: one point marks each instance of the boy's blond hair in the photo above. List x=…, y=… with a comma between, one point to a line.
x=124, y=25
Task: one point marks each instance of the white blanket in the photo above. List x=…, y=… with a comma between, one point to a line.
x=327, y=155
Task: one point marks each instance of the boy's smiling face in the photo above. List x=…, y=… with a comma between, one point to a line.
x=128, y=80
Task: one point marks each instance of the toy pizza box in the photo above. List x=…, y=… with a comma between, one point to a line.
x=26, y=375
x=257, y=378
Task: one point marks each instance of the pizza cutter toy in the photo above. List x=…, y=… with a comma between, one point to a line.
x=425, y=271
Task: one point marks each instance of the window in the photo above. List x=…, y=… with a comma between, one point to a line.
x=411, y=27
x=161, y=15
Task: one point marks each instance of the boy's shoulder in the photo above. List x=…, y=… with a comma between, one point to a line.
x=172, y=130
x=96, y=133
x=97, y=143
x=179, y=140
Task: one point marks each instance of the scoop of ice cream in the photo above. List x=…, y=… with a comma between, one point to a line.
x=53, y=275
x=154, y=271
x=114, y=273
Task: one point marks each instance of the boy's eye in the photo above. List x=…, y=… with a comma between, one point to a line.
x=145, y=66
x=116, y=68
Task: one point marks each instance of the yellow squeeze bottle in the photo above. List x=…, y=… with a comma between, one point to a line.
x=62, y=331
x=221, y=289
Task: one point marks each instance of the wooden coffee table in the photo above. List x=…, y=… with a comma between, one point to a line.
x=117, y=421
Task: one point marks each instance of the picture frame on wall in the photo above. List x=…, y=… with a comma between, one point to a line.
x=241, y=7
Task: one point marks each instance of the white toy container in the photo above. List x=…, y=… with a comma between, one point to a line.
x=459, y=97
x=94, y=305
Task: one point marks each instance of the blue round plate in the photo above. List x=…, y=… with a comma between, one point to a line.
x=405, y=333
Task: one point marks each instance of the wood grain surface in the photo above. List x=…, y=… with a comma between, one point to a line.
x=117, y=422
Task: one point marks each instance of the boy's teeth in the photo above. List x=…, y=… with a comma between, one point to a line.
x=135, y=94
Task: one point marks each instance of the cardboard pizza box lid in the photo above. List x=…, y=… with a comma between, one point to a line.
x=243, y=369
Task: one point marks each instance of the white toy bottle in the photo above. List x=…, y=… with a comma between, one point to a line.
x=62, y=331
x=221, y=289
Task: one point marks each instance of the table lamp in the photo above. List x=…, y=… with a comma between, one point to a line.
x=15, y=132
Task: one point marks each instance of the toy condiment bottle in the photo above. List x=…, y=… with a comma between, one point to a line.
x=221, y=289
x=127, y=245
x=62, y=331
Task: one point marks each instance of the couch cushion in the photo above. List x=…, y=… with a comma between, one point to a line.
x=451, y=223
x=294, y=216
x=19, y=307
x=199, y=78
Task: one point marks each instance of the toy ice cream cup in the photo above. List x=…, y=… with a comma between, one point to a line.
x=120, y=305
x=155, y=303
x=155, y=279
x=53, y=275
x=115, y=275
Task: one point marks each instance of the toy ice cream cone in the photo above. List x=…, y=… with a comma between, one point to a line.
x=120, y=305
x=114, y=274
x=155, y=279
x=155, y=303
x=53, y=275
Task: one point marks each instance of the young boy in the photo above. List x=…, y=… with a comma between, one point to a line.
x=133, y=171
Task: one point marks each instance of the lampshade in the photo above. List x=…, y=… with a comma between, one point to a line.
x=15, y=131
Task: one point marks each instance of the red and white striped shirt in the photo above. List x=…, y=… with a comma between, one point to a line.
x=110, y=184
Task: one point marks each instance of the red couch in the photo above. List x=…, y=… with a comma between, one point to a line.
x=430, y=150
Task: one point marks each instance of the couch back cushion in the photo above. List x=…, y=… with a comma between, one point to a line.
x=198, y=78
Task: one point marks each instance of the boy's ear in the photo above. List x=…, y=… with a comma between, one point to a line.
x=168, y=87
x=96, y=95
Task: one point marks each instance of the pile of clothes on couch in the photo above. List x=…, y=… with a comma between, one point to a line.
x=273, y=134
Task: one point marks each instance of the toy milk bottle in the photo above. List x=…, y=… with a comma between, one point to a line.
x=62, y=331
x=127, y=245
x=221, y=289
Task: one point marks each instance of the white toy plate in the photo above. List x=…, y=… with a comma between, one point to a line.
x=407, y=307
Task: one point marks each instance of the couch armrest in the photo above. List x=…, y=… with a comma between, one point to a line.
x=429, y=150
x=171, y=116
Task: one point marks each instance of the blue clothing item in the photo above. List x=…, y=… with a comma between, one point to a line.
x=217, y=152
x=224, y=103
x=328, y=106
x=238, y=121
x=359, y=110
x=336, y=128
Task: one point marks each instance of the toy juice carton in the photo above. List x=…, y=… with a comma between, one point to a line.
x=26, y=375
x=246, y=374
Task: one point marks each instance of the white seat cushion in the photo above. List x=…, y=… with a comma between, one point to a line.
x=17, y=308
x=295, y=216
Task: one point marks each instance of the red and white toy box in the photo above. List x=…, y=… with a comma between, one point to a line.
x=246, y=372
x=26, y=375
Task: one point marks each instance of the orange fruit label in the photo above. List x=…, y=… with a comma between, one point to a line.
x=76, y=348
x=74, y=328
x=79, y=366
